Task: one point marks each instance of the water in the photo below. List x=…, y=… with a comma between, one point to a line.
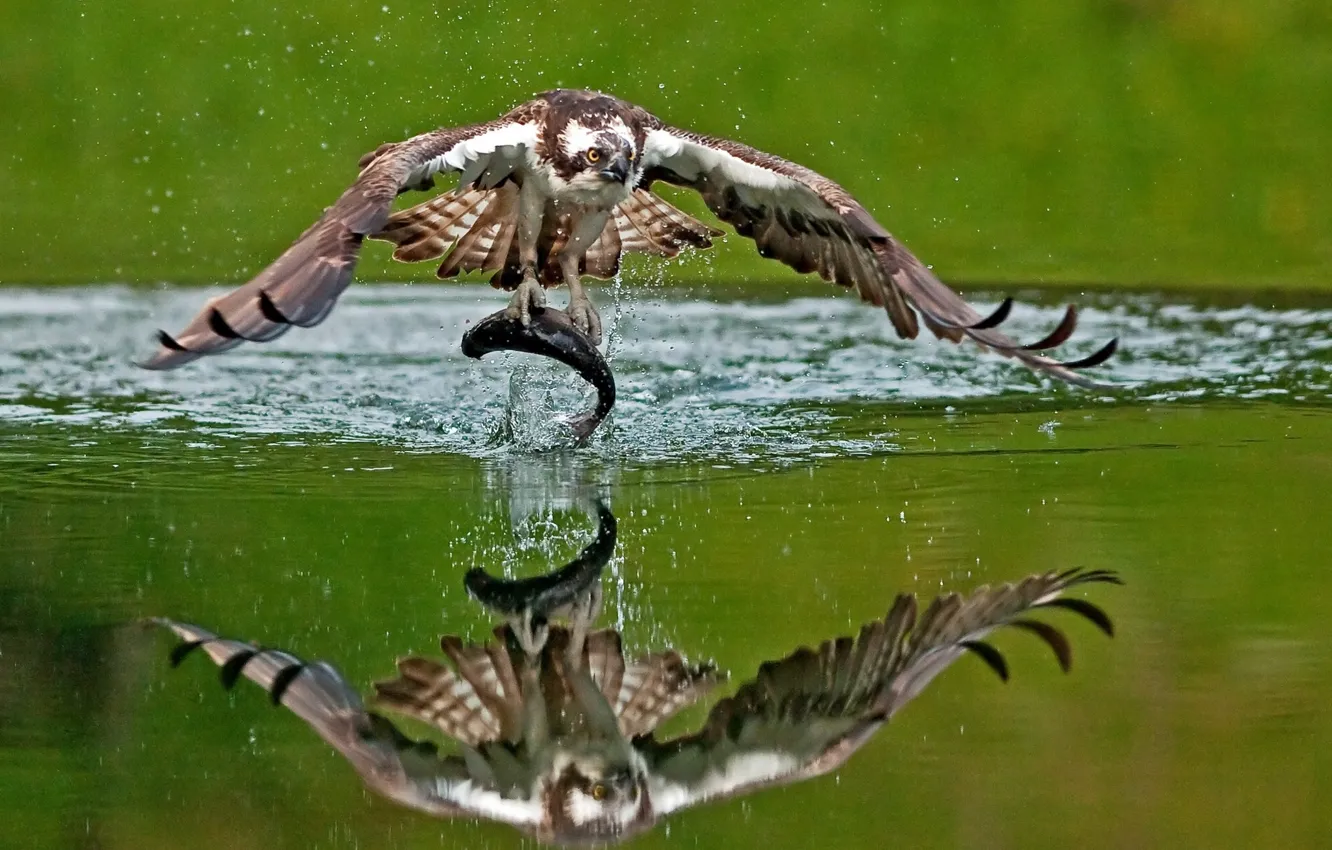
x=780, y=471
x=725, y=382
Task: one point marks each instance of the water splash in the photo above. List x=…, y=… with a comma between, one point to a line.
x=728, y=382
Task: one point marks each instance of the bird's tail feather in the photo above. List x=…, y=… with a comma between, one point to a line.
x=477, y=701
x=473, y=229
x=481, y=698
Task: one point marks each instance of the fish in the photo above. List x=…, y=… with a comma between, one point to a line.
x=549, y=333
x=544, y=596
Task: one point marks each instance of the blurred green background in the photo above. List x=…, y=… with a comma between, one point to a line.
x=1126, y=142
x=1202, y=724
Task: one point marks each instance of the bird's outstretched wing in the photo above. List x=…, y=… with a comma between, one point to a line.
x=806, y=714
x=302, y=285
x=409, y=772
x=812, y=224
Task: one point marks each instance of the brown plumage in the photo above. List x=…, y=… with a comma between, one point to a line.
x=480, y=700
x=536, y=731
x=476, y=228
x=821, y=705
x=561, y=187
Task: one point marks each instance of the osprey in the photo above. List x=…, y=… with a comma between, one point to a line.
x=561, y=187
x=558, y=738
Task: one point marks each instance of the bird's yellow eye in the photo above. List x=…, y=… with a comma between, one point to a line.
x=592, y=156
x=598, y=790
x=629, y=156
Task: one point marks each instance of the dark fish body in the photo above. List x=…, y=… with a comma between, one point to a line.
x=550, y=333
x=545, y=594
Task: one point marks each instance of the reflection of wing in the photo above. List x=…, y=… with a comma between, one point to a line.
x=479, y=698
x=411, y=773
x=806, y=714
x=812, y=224
x=647, y=691
x=302, y=285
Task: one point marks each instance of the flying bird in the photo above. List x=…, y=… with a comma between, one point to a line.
x=558, y=738
x=562, y=187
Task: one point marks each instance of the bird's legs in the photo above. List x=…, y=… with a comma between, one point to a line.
x=581, y=311
x=531, y=631
x=536, y=721
x=585, y=232
x=530, y=294
x=582, y=614
x=585, y=228
x=599, y=717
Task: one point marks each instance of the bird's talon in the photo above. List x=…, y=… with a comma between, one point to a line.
x=585, y=318
x=531, y=633
x=529, y=295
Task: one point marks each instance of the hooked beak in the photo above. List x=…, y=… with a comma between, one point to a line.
x=617, y=169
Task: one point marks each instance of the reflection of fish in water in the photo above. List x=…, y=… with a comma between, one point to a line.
x=550, y=333
x=573, y=591
x=560, y=741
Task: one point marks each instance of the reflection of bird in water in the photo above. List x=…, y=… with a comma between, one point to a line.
x=572, y=592
x=559, y=741
x=562, y=187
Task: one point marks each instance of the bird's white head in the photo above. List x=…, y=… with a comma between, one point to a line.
x=598, y=149
x=595, y=798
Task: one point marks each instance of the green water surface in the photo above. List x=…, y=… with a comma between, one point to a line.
x=1205, y=716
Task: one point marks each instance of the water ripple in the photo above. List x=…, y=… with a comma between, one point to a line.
x=730, y=381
